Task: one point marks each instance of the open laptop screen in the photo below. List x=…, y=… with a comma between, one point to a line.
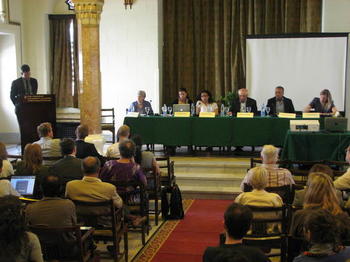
x=23, y=184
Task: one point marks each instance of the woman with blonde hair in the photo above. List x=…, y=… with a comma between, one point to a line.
x=7, y=169
x=323, y=104
x=32, y=165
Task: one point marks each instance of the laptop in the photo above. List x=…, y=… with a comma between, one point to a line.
x=23, y=184
x=336, y=124
x=181, y=108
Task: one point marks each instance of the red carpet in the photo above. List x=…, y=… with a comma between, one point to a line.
x=188, y=238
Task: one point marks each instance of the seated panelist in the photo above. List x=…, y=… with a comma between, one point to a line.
x=280, y=103
x=141, y=104
x=323, y=104
x=243, y=103
x=182, y=97
x=205, y=103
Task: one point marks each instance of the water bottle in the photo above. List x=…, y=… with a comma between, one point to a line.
x=127, y=111
x=262, y=112
x=222, y=110
x=193, y=111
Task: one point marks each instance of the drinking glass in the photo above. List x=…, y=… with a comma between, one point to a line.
x=147, y=109
x=249, y=109
x=267, y=110
x=164, y=110
x=170, y=109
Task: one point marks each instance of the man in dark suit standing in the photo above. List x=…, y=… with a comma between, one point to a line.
x=280, y=103
x=85, y=149
x=243, y=103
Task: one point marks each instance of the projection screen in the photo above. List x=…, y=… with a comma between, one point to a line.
x=303, y=64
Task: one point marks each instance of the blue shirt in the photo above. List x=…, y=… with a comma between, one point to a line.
x=135, y=108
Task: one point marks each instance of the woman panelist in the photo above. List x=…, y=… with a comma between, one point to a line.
x=324, y=104
x=141, y=104
x=183, y=97
x=206, y=103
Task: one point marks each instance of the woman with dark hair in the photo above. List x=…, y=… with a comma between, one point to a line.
x=145, y=159
x=182, y=97
x=16, y=244
x=206, y=103
x=323, y=104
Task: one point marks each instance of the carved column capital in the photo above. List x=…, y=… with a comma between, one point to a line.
x=88, y=12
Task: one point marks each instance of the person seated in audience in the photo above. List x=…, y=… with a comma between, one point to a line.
x=50, y=147
x=124, y=169
x=259, y=197
x=69, y=167
x=343, y=182
x=83, y=148
x=237, y=222
x=141, y=104
x=7, y=169
x=323, y=235
x=276, y=176
x=183, y=97
x=32, y=165
x=122, y=134
x=323, y=104
x=320, y=194
x=54, y=211
x=145, y=159
x=206, y=103
x=300, y=194
x=280, y=103
x=243, y=103
x=16, y=243
x=6, y=187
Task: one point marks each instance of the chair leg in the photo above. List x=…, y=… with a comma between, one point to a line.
x=143, y=234
x=126, y=246
x=116, y=250
x=156, y=209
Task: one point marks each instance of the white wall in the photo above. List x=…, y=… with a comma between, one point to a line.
x=129, y=54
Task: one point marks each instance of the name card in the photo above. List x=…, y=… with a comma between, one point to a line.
x=311, y=115
x=133, y=114
x=287, y=115
x=182, y=114
x=207, y=114
x=245, y=115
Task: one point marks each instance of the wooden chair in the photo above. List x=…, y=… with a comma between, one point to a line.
x=166, y=167
x=108, y=121
x=137, y=202
x=154, y=192
x=260, y=235
x=90, y=214
x=81, y=247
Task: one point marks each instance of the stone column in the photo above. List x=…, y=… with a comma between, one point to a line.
x=88, y=14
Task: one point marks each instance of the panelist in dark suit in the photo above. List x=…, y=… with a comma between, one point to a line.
x=280, y=103
x=85, y=149
x=23, y=86
x=243, y=103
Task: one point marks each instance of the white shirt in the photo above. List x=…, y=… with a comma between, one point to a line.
x=50, y=148
x=7, y=169
x=113, y=150
x=343, y=182
x=7, y=189
x=206, y=108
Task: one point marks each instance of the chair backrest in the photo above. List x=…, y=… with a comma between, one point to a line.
x=107, y=116
x=166, y=164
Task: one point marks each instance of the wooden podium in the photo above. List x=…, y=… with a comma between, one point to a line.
x=33, y=111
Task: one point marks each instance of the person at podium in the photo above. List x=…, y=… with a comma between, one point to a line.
x=23, y=86
x=280, y=103
x=323, y=104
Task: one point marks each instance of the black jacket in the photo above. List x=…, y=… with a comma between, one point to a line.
x=288, y=105
x=85, y=149
x=236, y=106
x=68, y=168
x=18, y=90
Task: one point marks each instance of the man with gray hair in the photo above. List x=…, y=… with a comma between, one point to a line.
x=276, y=176
x=280, y=103
x=122, y=134
x=141, y=105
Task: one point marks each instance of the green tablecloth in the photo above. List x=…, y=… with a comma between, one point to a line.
x=219, y=131
x=315, y=146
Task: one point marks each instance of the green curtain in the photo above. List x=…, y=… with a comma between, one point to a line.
x=64, y=60
x=204, y=40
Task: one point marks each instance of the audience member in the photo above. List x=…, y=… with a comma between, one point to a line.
x=125, y=169
x=50, y=147
x=68, y=168
x=7, y=169
x=280, y=103
x=83, y=148
x=206, y=103
x=122, y=134
x=323, y=235
x=145, y=159
x=16, y=243
x=343, y=182
x=182, y=97
x=237, y=221
x=32, y=166
x=243, y=103
x=300, y=194
x=324, y=104
x=141, y=104
x=6, y=187
x=276, y=176
x=54, y=211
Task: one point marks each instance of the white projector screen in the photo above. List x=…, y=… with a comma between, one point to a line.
x=302, y=64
